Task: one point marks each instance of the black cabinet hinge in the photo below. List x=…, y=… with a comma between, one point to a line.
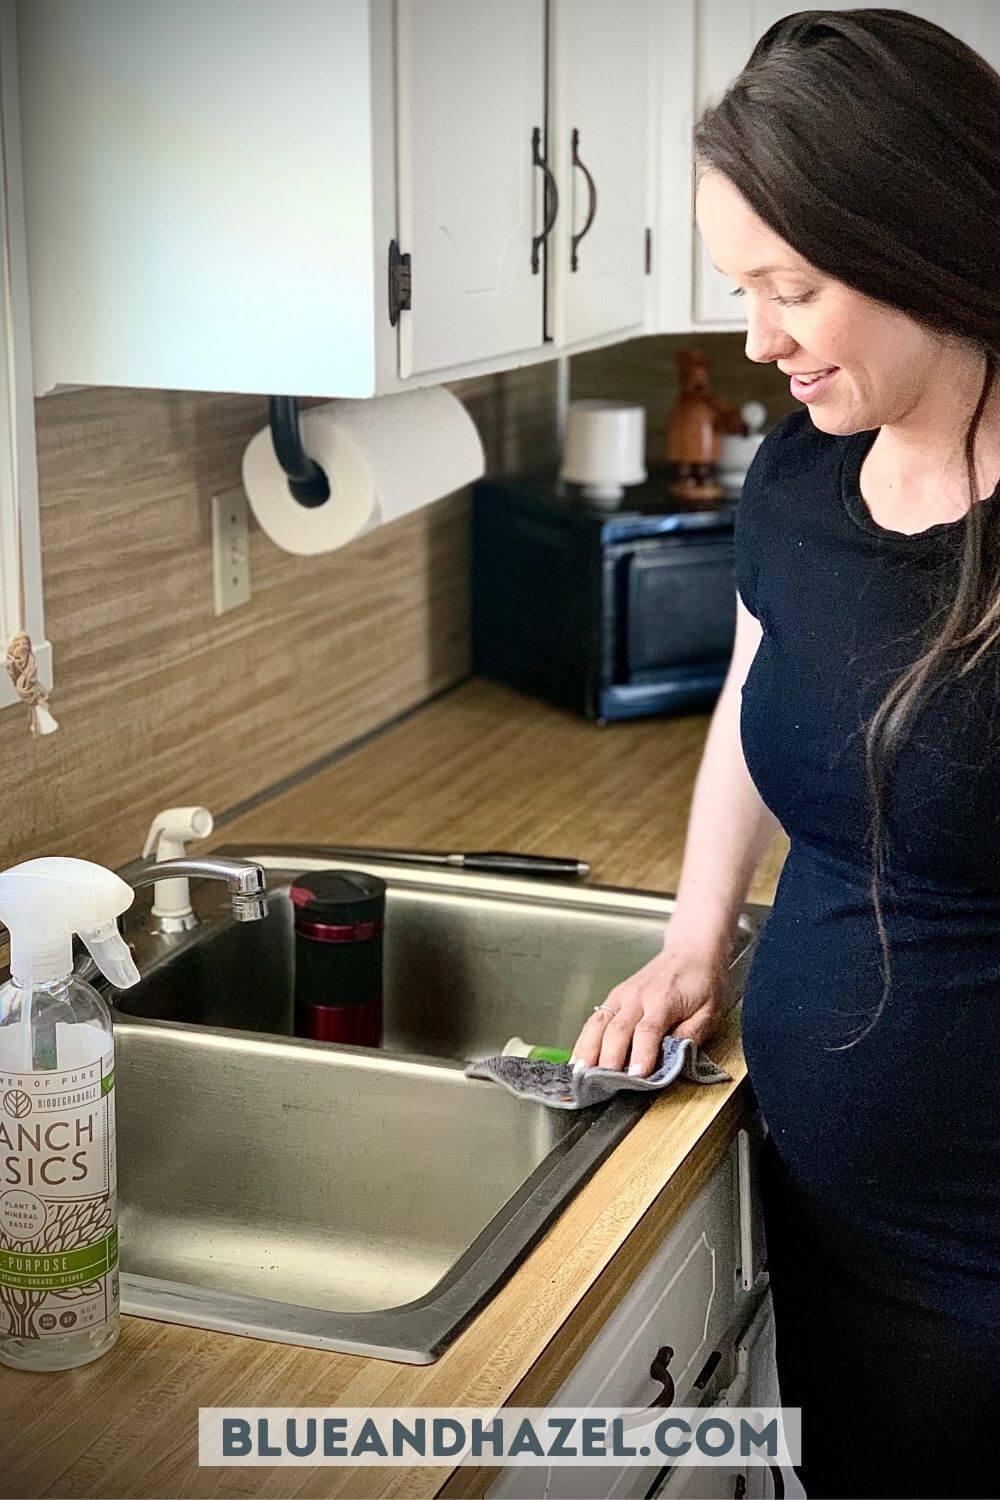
x=400, y=283
x=649, y=251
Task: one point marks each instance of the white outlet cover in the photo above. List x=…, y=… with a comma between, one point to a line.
x=230, y=549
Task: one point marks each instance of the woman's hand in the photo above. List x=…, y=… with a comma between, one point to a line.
x=684, y=990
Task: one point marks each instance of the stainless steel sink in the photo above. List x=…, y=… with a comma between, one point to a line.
x=345, y=1197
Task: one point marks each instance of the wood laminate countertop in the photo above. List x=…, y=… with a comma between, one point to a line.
x=481, y=767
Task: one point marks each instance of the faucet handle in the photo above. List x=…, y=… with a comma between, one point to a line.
x=168, y=834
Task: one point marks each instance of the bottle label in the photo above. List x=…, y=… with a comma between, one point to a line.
x=58, y=1203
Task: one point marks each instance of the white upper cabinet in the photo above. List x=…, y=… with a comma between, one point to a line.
x=599, y=129
x=329, y=197
x=470, y=96
x=727, y=31
x=355, y=197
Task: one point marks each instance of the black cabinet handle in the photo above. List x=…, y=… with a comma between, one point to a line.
x=592, y=207
x=551, y=194
x=659, y=1370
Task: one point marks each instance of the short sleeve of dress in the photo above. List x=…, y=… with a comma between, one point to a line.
x=748, y=530
x=751, y=525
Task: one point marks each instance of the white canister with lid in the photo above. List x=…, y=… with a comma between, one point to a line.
x=604, y=448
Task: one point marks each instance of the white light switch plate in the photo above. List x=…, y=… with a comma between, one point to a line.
x=230, y=549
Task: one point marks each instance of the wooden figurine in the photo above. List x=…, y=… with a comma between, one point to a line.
x=691, y=438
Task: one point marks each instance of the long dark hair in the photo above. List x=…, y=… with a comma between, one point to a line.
x=869, y=140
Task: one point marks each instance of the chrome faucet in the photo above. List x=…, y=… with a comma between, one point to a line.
x=247, y=894
x=246, y=882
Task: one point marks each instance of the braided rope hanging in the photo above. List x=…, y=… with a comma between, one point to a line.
x=23, y=671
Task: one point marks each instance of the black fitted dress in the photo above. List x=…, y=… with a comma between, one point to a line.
x=882, y=1164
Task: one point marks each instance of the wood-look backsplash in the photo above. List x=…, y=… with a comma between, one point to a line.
x=159, y=702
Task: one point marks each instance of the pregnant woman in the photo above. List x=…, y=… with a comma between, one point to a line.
x=849, y=184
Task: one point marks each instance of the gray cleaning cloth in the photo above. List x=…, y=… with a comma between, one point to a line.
x=557, y=1085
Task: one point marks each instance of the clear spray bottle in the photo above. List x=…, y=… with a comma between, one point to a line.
x=58, y=1186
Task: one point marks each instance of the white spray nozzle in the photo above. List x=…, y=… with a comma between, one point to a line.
x=168, y=834
x=44, y=901
x=172, y=828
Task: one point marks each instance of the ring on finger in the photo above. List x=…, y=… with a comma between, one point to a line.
x=607, y=1008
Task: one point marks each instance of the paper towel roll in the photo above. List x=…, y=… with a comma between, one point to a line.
x=383, y=457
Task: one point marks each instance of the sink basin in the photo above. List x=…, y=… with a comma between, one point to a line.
x=367, y=1200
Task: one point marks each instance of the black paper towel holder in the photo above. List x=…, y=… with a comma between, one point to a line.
x=307, y=481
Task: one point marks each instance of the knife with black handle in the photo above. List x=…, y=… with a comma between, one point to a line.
x=491, y=861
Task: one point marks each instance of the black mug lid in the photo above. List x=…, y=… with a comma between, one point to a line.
x=340, y=898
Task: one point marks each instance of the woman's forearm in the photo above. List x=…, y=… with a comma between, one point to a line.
x=729, y=829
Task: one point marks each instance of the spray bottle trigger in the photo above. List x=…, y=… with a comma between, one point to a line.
x=112, y=955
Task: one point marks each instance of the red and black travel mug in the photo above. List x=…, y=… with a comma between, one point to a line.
x=339, y=918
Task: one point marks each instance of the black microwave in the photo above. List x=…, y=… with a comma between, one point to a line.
x=612, y=614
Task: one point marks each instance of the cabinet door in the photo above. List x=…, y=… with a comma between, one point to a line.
x=199, y=194
x=675, y=1314
x=470, y=90
x=691, y=1483
x=726, y=33
x=670, y=168
x=755, y=1353
x=599, y=101
x=754, y=1384
x=976, y=22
